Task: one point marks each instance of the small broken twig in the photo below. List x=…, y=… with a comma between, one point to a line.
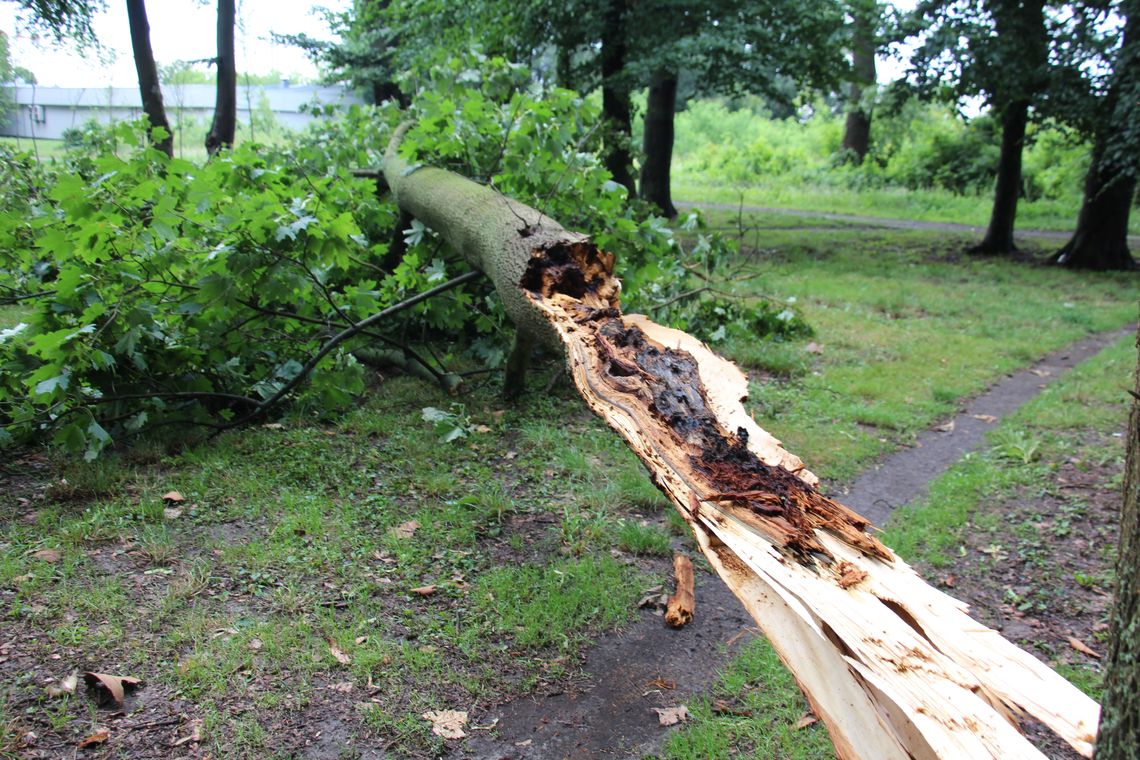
x=679, y=610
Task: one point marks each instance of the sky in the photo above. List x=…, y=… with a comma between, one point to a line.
x=179, y=30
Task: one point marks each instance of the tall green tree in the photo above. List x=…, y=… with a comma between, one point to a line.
x=1100, y=240
x=149, y=87
x=997, y=50
x=864, y=17
x=224, y=124
x=64, y=20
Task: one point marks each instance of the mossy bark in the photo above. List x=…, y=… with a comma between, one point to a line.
x=1119, y=737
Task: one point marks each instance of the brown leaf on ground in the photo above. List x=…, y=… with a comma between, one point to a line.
x=661, y=683
x=806, y=720
x=723, y=707
x=405, y=530
x=424, y=590
x=173, y=497
x=338, y=654
x=813, y=348
x=447, y=723
x=99, y=737
x=48, y=555
x=986, y=418
x=110, y=688
x=194, y=736
x=170, y=513
x=344, y=687
x=1082, y=647
x=668, y=716
x=947, y=428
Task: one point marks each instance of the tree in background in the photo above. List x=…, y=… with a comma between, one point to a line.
x=364, y=55
x=149, y=88
x=1101, y=238
x=64, y=20
x=864, y=22
x=1004, y=60
x=224, y=125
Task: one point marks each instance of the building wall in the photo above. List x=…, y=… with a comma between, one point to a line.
x=48, y=112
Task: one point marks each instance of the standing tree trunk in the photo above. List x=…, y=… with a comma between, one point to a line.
x=1101, y=238
x=616, y=110
x=1119, y=736
x=657, y=142
x=999, y=235
x=149, y=87
x=225, y=105
x=857, y=131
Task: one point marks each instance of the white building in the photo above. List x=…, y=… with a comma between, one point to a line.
x=47, y=112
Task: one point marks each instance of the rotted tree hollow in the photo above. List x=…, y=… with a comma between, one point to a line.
x=893, y=667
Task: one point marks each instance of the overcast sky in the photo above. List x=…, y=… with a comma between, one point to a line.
x=179, y=30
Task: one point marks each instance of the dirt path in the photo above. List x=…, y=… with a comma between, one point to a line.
x=875, y=222
x=608, y=711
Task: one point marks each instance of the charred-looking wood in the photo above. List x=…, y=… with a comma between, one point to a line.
x=717, y=463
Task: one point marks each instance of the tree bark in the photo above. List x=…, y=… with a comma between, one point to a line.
x=1101, y=238
x=1119, y=737
x=999, y=234
x=857, y=131
x=657, y=142
x=893, y=667
x=225, y=103
x=616, y=109
x=1100, y=241
x=149, y=87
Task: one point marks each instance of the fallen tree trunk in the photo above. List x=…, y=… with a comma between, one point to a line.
x=893, y=667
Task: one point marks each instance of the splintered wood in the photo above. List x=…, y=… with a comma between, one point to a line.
x=681, y=606
x=892, y=666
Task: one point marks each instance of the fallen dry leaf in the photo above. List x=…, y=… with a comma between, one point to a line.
x=170, y=513
x=481, y=429
x=1041, y=372
x=110, y=688
x=99, y=737
x=986, y=418
x=255, y=644
x=173, y=497
x=668, y=716
x=343, y=687
x=813, y=348
x=661, y=683
x=424, y=590
x=194, y=736
x=273, y=426
x=405, y=530
x=338, y=654
x=806, y=720
x=723, y=707
x=947, y=428
x=447, y=723
x=1082, y=647
x=64, y=687
x=48, y=555
x=361, y=640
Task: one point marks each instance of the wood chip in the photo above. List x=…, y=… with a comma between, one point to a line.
x=681, y=606
x=806, y=720
x=1082, y=647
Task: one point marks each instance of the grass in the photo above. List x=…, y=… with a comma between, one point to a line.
x=533, y=537
x=887, y=203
